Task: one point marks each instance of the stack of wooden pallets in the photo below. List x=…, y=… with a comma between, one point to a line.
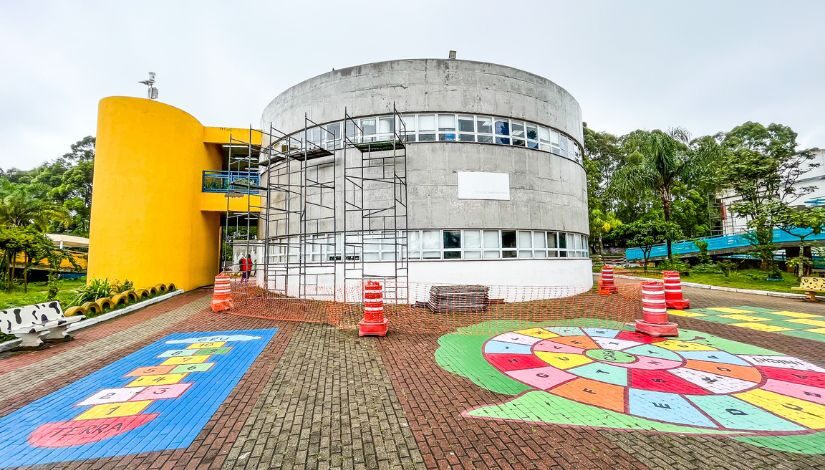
x=469, y=298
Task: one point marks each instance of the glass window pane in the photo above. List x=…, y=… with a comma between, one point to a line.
x=532, y=132
x=432, y=255
x=430, y=241
x=472, y=255
x=333, y=130
x=491, y=254
x=539, y=240
x=465, y=124
x=491, y=239
x=368, y=126
x=562, y=240
x=386, y=124
x=532, y=144
x=467, y=137
x=508, y=238
x=503, y=140
x=409, y=122
x=551, y=240
x=518, y=142
x=539, y=253
x=426, y=137
x=485, y=124
x=525, y=239
x=452, y=239
x=554, y=137
x=446, y=122
x=525, y=253
x=508, y=254
x=485, y=139
x=472, y=239
x=452, y=255
x=517, y=129
x=414, y=240
x=426, y=122
x=502, y=127
x=544, y=134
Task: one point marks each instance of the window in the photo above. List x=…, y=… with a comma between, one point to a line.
x=446, y=127
x=525, y=244
x=414, y=244
x=452, y=244
x=431, y=244
x=502, y=129
x=368, y=127
x=466, y=129
x=492, y=244
x=552, y=244
x=472, y=244
x=508, y=240
x=532, y=136
x=426, y=127
x=562, y=245
x=409, y=127
x=517, y=131
x=539, y=245
x=333, y=134
x=386, y=128
x=485, y=125
x=563, y=145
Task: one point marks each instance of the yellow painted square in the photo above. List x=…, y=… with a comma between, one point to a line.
x=538, y=333
x=818, y=330
x=176, y=361
x=807, y=321
x=799, y=411
x=682, y=313
x=165, y=379
x=785, y=313
x=760, y=327
x=729, y=310
x=563, y=360
x=210, y=344
x=748, y=318
x=115, y=410
x=677, y=345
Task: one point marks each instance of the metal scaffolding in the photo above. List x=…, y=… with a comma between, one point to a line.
x=239, y=182
x=333, y=211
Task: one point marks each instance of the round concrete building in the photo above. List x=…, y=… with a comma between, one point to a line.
x=494, y=188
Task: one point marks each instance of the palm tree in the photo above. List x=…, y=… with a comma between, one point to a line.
x=21, y=208
x=657, y=162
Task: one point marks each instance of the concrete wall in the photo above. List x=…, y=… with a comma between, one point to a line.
x=548, y=192
x=416, y=85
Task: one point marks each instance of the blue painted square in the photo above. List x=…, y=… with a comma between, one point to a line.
x=178, y=420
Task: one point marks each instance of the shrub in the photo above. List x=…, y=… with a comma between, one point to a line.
x=95, y=289
x=706, y=268
x=727, y=267
x=675, y=265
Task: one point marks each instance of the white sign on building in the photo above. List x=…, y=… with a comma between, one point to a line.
x=482, y=185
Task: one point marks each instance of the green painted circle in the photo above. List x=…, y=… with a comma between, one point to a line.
x=608, y=355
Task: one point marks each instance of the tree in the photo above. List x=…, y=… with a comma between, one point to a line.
x=659, y=162
x=762, y=166
x=601, y=224
x=646, y=233
x=21, y=207
x=802, y=222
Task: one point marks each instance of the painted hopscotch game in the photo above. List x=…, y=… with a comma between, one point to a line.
x=570, y=373
x=157, y=398
x=797, y=324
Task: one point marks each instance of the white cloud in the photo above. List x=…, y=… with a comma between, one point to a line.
x=704, y=65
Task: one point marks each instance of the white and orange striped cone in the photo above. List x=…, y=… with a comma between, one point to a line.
x=374, y=323
x=654, y=320
x=673, y=291
x=607, y=285
x=222, y=294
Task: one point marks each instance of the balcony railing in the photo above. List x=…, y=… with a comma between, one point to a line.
x=246, y=182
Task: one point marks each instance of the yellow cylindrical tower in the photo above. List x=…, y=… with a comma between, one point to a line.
x=146, y=223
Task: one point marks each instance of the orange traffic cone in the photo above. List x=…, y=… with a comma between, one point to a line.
x=374, y=323
x=654, y=311
x=222, y=295
x=607, y=285
x=673, y=291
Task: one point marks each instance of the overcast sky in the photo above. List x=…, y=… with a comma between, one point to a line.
x=703, y=65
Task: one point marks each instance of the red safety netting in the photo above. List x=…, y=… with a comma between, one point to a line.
x=439, y=308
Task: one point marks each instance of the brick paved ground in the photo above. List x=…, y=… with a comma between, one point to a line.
x=319, y=397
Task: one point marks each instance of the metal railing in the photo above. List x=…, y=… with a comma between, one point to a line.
x=246, y=182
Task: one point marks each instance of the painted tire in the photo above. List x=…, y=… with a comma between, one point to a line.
x=685, y=382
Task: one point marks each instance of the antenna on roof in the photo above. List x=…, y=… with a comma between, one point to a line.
x=152, y=92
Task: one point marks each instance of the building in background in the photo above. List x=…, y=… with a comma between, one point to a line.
x=482, y=166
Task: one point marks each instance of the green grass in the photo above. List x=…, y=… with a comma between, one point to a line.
x=744, y=279
x=37, y=293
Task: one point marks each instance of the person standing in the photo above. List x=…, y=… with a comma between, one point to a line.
x=248, y=267
x=243, y=269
